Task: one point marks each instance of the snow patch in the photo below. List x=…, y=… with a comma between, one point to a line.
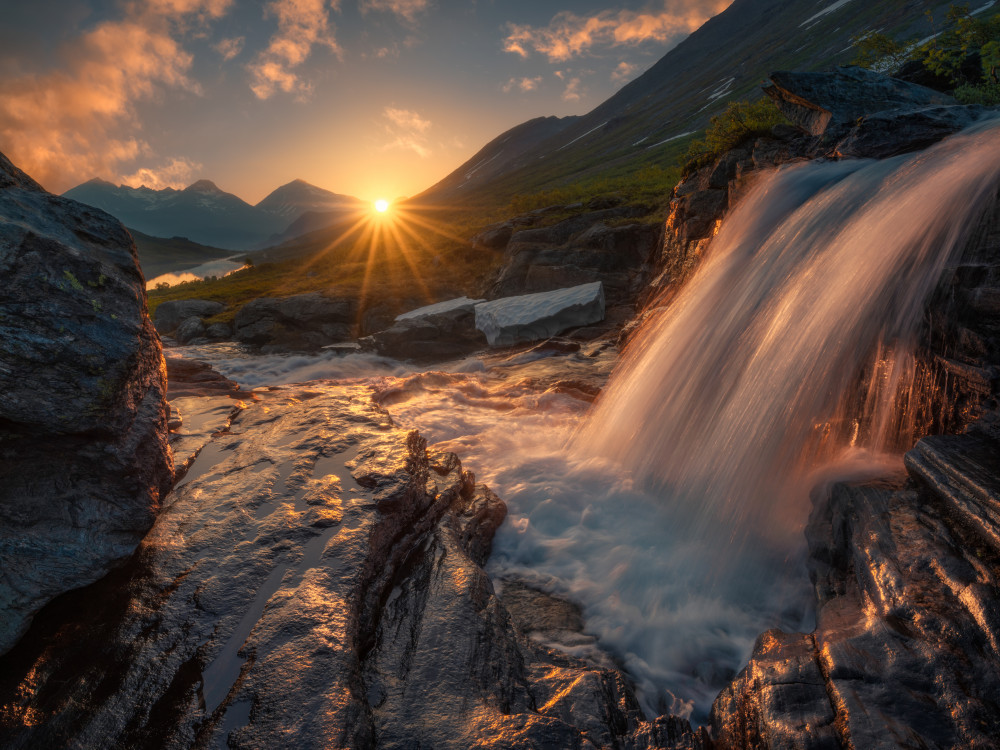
x=983, y=8
x=583, y=136
x=459, y=303
x=829, y=9
x=530, y=317
x=671, y=138
x=722, y=90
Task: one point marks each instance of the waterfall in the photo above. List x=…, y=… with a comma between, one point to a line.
x=721, y=403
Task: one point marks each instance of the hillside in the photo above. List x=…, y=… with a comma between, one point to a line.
x=650, y=121
x=159, y=255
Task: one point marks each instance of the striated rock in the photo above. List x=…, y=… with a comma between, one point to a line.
x=303, y=321
x=83, y=452
x=191, y=377
x=315, y=581
x=905, y=651
x=429, y=311
x=818, y=101
x=515, y=320
x=170, y=314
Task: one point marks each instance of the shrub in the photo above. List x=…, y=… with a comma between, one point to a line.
x=740, y=122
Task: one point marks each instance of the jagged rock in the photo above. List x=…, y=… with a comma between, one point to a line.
x=315, y=581
x=170, y=314
x=530, y=317
x=818, y=102
x=83, y=422
x=191, y=377
x=429, y=311
x=908, y=617
x=303, y=321
x=885, y=134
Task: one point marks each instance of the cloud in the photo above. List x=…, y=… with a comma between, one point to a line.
x=66, y=125
x=302, y=25
x=408, y=10
x=522, y=84
x=407, y=131
x=176, y=173
x=229, y=48
x=623, y=72
x=569, y=35
x=573, y=90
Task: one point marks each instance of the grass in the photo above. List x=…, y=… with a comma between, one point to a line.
x=741, y=121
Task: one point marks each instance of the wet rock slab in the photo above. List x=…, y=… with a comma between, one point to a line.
x=314, y=580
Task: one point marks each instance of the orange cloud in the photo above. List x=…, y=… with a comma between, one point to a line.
x=65, y=126
x=569, y=35
x=176, y=173
x=406, y=9
x=302, y=25
x=408, y=131
x=522, y=84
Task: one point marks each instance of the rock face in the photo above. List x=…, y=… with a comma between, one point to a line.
x=83, y=452
x=303, y=321
x=907, y=588
x=314, y=581
x=516, y=320
x=171, y=314
x=577, y=250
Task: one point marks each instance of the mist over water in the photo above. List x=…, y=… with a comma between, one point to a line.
x=672, y=510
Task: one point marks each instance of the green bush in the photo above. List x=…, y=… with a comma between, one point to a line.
x=740, y=122
x=878, y=51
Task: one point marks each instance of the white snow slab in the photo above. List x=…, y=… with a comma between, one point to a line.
x=530, y=317
x=459, y=303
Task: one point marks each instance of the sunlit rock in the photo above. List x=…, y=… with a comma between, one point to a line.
x=434, y=332
x=529, y=317
x=83, y=453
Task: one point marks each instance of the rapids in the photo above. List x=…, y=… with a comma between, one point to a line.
x=672, y=509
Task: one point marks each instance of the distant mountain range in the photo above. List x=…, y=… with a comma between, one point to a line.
x=649, y=121
x=205, y=214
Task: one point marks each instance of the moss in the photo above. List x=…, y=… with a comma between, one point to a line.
x=73, y=281
x=96, y=304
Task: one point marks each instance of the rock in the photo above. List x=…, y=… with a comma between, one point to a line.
x=515, y=320
x=191, y=377
x=316, y=581
x=818, y=101
x=885, y=134
x=190, y=329
x=907, y=588
x=459, y=303
x=437, y=332
x=83, y=421
x=170, y=314
x=303, y=321
x=219, y=331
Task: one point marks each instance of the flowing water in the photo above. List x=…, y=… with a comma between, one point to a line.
x=672, y=510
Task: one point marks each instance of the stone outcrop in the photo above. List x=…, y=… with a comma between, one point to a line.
x=530, y=317
x=300, y=322
x=83, y=421
x=314, y=581
x=171, y=314
x=436, y=332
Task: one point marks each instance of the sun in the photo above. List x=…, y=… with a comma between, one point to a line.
x=381, y=205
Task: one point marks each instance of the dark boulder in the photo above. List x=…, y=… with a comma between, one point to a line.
x=170, y=314
x=83, y=453
x=820, y=101
x=885, y=134
x=189, y=330
x=432, y=337
x=301, y=322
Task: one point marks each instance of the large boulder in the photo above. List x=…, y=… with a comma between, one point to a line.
x=83, y=421
x=302, y=321
x=821, y=101
x=170, y=314
x=530, y=317
x=884, y=134
x=441, y=331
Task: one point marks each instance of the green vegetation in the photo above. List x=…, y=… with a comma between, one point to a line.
x=948, y=55
x=73, y=281
x=740, y=122
x=650, y=185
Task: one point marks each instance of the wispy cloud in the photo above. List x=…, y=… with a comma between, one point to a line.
x=623, y=72
x=522, y=84
x=569, y=35
x=408, y=10
x=302, y=25
x=573, y=90
x=407, y=130
x=65, y=125
x=177, y=172
x=229, y=48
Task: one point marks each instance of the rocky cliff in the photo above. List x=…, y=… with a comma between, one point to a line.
x=83, y=454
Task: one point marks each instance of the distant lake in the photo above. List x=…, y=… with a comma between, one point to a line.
x=221, y=267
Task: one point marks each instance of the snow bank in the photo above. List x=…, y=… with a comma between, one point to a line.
x=529, y=317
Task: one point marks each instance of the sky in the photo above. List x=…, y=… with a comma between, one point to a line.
x=372, y=98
